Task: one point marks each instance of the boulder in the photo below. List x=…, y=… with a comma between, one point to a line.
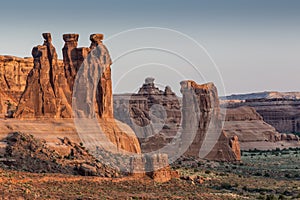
x=156, y=166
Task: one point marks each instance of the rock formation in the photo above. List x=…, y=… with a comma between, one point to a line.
x=248, y=125
x=199, y=115
x=202, y=119
x=46, y=93
x=104, y=91
x=253, y=131
x=235, y=146
x=283, y=114
x=50, y=93
x=155, y=166
x=70, y=57
x=281, y=110
x=154, y=115
x=13, y=75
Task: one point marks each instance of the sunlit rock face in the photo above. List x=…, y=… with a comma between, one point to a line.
x=50, y=89
x=13, y=75
x=46, y=93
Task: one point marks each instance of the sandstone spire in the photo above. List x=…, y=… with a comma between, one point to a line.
x=104, y=91
x=201, y=117
x=46, y=93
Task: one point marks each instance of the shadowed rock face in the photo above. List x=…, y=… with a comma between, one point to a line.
x=70, y=57
x=46, y=93
x=153, y=114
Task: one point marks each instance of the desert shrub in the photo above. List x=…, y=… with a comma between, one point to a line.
x=277, y=149
x=271, y=197
x=258, y=174
x=288, y=175
x=282, y=197
x=226, y=186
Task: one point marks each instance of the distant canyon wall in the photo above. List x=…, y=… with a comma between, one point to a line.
x=282, y=112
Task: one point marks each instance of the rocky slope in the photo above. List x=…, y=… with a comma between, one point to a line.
x=26, y=153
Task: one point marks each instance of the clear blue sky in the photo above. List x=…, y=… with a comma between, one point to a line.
x=256, y=43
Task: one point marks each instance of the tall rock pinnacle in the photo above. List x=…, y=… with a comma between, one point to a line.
x=46, y=93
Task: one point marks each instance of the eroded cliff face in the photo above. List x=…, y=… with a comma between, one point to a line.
x=202, y=118
x=253, y=131
x=248, y=125
x=13, y=75
x=283, y=114
x=279, y=109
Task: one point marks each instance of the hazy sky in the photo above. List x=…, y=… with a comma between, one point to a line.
x=255, y=44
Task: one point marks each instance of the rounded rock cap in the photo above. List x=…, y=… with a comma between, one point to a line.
x=47, y=36
x=149, y=80
x=97, y=37
x=70, y=37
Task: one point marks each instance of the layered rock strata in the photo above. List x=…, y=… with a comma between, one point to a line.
x=254, y=132
x=281, y=110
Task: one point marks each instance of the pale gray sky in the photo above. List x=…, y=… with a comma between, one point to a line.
x=256, y=44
